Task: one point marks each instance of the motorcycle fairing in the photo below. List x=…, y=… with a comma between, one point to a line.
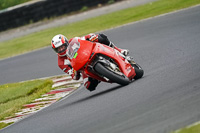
x=82, y=54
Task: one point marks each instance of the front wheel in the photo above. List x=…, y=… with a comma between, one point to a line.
x=120, y=79
x=138, y=70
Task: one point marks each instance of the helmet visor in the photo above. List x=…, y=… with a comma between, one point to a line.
x=62, y=48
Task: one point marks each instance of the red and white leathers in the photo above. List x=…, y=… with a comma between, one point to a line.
x=65, y=65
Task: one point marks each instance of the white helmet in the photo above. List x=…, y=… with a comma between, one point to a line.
x=59, y=44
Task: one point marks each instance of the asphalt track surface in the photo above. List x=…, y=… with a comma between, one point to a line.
x=165, y=99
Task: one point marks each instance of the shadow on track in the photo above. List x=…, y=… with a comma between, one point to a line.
x=78, y=101
x=97, y=94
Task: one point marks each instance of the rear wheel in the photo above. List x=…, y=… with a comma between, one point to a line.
x=111, y=75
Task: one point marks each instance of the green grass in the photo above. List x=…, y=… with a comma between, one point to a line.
x=8, y=3
x=13, y=96
x=43, y=38
x=2, y=125
x=192, y=129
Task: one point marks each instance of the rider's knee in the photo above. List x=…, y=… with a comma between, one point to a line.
x=90, y=83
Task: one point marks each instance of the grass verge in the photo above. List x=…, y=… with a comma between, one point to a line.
x=2, y=125
x=43, y=38
x=13, y=96
x=191, y=129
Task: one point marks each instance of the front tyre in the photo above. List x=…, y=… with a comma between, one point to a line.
x=120, y=79
x=138, y=70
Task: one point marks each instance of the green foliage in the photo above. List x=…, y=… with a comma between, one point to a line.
x=8, y=3
x=84, y=8
x=111, y=1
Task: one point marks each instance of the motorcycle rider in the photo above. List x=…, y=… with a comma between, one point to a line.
x=60, y=43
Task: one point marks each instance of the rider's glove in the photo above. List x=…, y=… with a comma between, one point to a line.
x=74, y=74
x=93, y=38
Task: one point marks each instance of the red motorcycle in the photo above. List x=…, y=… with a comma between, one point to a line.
x=102, y=62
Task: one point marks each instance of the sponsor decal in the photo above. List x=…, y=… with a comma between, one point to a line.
x=58, y=42
x=75, y=55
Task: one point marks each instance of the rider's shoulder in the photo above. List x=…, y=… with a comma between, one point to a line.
x=81, y=38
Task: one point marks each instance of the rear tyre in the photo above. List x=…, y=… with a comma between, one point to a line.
x=120, y=79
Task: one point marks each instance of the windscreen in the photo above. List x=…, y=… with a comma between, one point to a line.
x=73, y=47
